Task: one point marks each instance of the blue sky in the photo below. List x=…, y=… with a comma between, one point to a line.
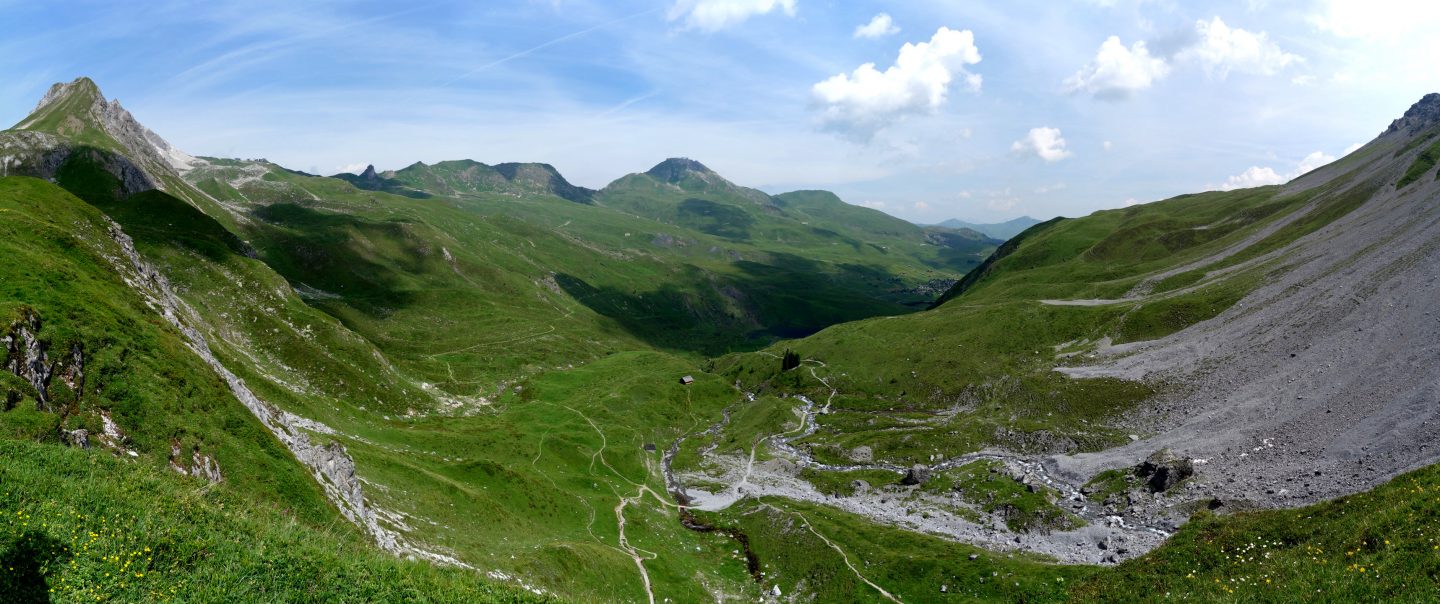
x=970, y=109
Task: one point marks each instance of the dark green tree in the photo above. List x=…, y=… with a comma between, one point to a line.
x=790, y=360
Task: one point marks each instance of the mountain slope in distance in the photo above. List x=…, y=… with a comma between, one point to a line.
x=998, y=230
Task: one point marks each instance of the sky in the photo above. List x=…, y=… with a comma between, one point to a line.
x=966, y=109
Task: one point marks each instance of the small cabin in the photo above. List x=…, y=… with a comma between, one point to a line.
x=687, y=380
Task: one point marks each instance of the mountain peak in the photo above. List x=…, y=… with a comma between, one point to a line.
x=675, y=169
x=369, y=173
x=82, y=88
x=75, y=115
x=1423, y=114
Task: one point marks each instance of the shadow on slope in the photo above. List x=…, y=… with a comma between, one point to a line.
x=712, y=313
x=364, y=262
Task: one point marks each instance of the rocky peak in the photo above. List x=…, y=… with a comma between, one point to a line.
x=675, y=169
x=78, y=111
x=81, y=88
x=369, y=173
x=1423, y=114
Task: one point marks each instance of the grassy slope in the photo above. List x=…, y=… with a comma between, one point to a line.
x=137, y=367
x=85, y=526
x=548, y=505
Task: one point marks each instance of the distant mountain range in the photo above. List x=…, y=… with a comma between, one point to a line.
x=998, y=230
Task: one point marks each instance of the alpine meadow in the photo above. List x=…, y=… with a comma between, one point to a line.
x=427, y=378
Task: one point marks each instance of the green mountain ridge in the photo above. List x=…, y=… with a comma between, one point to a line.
x=492, y=357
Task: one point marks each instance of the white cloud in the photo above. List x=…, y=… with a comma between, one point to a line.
x=1312, y=161
x=880, y=25
x=715, y=15
x=920, y=205
x=1255, y=176
x=1351, y=149
x=874, y=205
x=966, y=133
x=1107, y=145
x=1375, y=18
x=1130, y=201
x=1117, y=71
x=965, y=195
x=1222, y=48
x=1259, y=176
x=1043, y=189
x=1304, y=79
x=867, y=100
x=352, y=168
x=1046, y=143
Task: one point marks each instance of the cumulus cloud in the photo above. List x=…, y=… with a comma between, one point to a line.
x=866, y=100
x=874, y=205
x=1260, y=176
x=880, y=25
x=715, y=15
x=1254, y=176
x=1222, y=48
x=1118, y=71
x=352, y=168
x=1046, y=143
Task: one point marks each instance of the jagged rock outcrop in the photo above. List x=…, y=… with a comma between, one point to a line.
x=80, y=439
x=1423, y=114
x=199, y=465
x=26, y=357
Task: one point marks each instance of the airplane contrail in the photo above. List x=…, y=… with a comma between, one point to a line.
x=532, y=49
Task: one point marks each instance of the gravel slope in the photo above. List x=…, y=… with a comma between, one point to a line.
x=1323, y=382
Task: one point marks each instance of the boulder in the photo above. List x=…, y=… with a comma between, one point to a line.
x=1163, y=470
x=916, y=475
x=79, y=439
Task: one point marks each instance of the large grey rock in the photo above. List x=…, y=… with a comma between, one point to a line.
x=1163, y=470
x=916, y=475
